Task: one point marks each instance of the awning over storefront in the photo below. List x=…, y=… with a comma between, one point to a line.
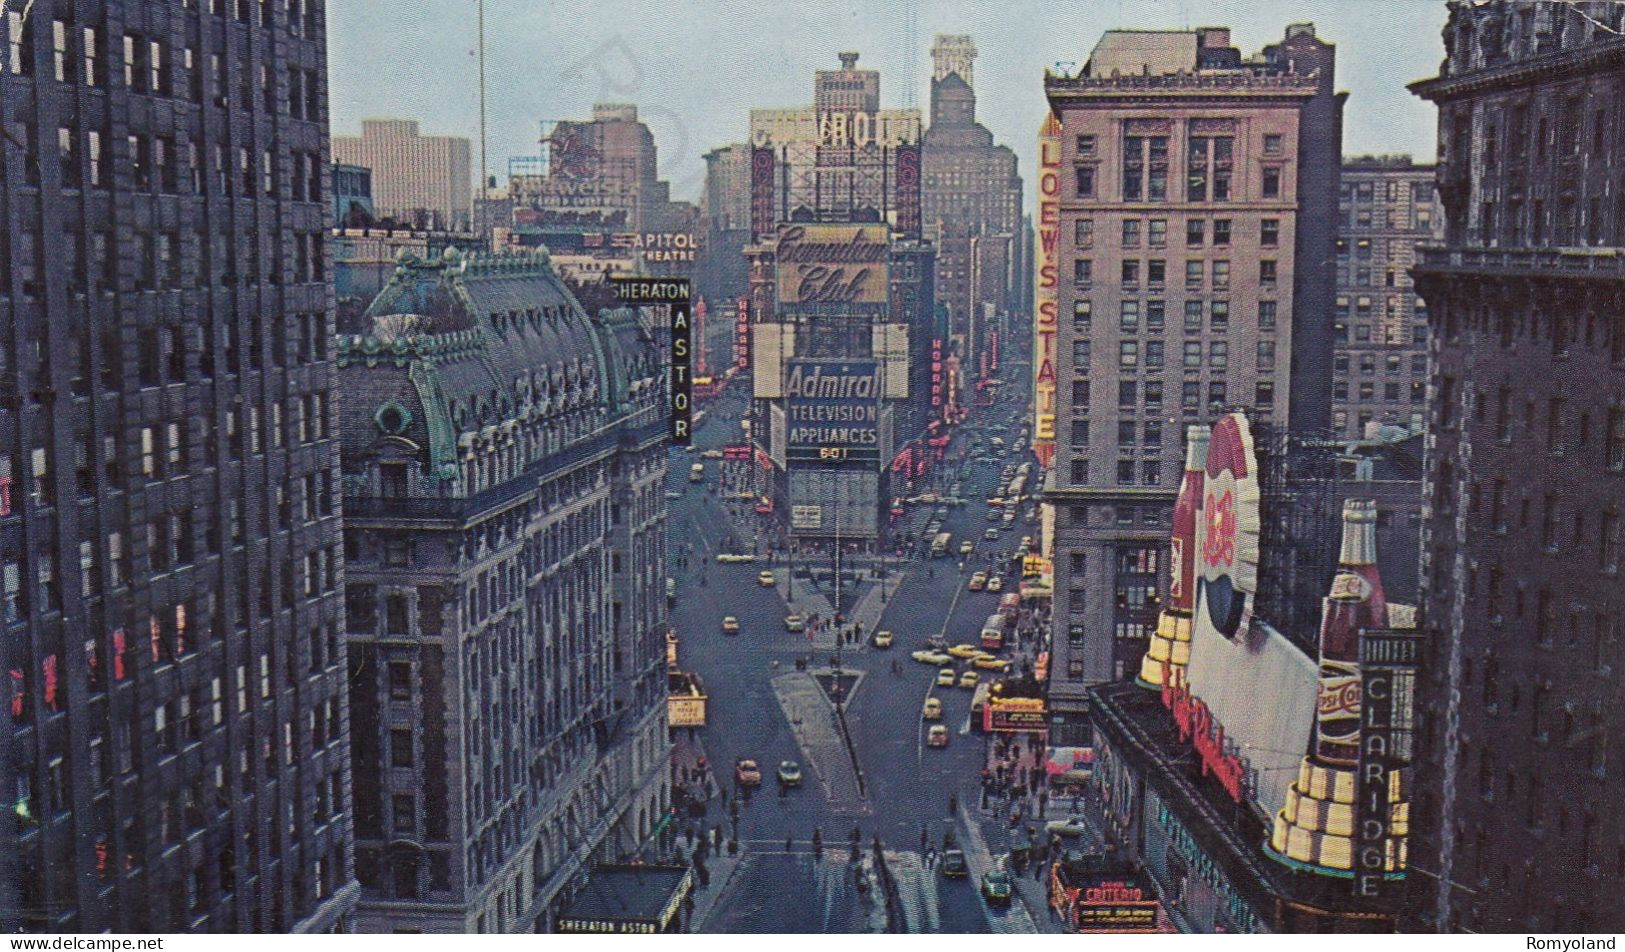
x=628, y=899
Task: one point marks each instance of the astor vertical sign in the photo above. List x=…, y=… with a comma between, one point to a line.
x=675, y=292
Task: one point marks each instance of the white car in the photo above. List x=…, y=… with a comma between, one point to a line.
x=711, y=454
x=735, y=557
x=933, y=658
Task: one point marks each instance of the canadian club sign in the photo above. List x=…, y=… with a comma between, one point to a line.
x=675, y=292
x=833, y=264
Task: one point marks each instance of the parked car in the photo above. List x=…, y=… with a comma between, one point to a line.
x=795, y=623
x=937, y=736
x=1074, y=825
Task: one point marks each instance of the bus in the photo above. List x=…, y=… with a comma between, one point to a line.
x=1010, y=606
x=993, y=632
x=939, y=545
x=696, y=473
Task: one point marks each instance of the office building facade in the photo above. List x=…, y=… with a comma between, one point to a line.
x=1189, y=196
x=504, y=459
x=175, y=745
x=421, y=181
x=1387, y=208
x=1522, y=602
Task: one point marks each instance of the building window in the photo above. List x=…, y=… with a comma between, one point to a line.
x=1125, y=472
x=1266, y=272
x=1128, y=354
x=1128, y=321
x=1082, y=272
x=1195, y=232
x=1269, y=232
x=1272, y=183
x=1081, y=317
x=1131, y=232
x=1272, y=145
x=1266, y=315
x=400, y=747
x=1086, y=181
x=1083, y=232
x=1080, y=355
x=1086, y=145
x=1080, y=434
x=1194, y=271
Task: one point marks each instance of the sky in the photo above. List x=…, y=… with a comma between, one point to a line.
x=695, y=68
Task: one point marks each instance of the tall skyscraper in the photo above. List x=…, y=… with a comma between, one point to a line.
x=176, y=750
x=1519, y=822
x=1386, y=209
x=970, y=206
x=423, y=181
x=1193, y=209
x=505, y=516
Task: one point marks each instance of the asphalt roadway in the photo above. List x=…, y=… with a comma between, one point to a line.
x=907, y=785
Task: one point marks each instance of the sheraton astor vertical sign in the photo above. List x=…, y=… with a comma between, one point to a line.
x=675, y=292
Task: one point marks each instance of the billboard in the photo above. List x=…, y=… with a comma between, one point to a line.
x=1046, y=289
x=833, y=264
x=832, y=411
x=834, y=500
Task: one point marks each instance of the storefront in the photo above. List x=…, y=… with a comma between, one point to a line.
x=633, y=899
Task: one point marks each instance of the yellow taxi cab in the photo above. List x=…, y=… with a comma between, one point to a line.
x=978, y=581
x=966, y=547
x=932, y=710
x=945, y=678
x=766, y=578
x=995, y=584
x=883, y=639
x=969, y=679
x=990, y=663
x=965, y=651
x=937, y=736
x=730, y=625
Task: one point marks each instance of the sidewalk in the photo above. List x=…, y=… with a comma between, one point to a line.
x=722, y=870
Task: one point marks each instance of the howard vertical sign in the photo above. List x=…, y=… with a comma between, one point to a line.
x=1388, y=660
x=674, y=292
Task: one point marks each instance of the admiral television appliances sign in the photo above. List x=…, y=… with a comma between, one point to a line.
x=832, y=410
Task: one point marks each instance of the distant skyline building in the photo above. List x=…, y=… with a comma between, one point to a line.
x=1387, y=208
x=1519, y=823
x=970, y=200
x=837, y=160
x=1194, y=202
x=506, y=522
x=174, y=749
x=422, y=181
x=595, y=200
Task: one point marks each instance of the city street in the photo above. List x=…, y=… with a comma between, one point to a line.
x=751, y=679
